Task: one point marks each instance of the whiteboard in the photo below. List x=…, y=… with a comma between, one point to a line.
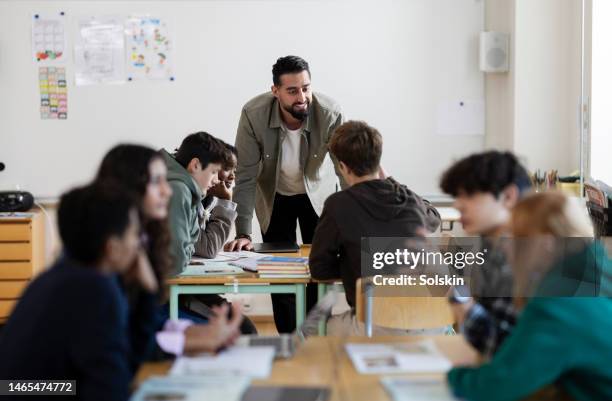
x=390, y=63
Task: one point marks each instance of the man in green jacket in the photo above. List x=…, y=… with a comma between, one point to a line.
x=285, y=171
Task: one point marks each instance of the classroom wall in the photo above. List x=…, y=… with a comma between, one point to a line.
x=389, y=62
x=533, y=109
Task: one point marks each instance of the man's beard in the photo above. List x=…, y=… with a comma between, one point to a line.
x=299, y=114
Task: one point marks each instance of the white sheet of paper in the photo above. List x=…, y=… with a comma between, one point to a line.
x=229, y=257
x=460, y=117
x=190, y=388
x=417, y=388
x=211, y=269
x=420, y=357
x=244, y=254
x=99, y=51
x=229, y=362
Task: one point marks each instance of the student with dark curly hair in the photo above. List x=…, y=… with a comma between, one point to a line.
x=486, y=186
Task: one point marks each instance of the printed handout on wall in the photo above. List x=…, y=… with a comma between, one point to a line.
x=149, y=49
x=53, y=93
x=99, y=51
x=48, y=38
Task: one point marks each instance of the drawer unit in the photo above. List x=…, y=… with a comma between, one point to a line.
x=22, y=250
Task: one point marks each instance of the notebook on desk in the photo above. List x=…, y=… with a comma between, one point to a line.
x=275, y=247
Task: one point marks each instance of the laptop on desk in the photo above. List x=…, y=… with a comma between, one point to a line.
x=276, y=247
x=286, y=344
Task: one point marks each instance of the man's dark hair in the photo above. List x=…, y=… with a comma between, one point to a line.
x=205, y=147
x=490, y=172
x=88, y=216
x=288, y=65
x=357, y=145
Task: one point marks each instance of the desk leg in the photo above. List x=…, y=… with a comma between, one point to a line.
x=174, y=295
x=300, y=304
x=321, y=291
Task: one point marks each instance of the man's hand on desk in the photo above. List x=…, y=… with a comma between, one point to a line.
x=238, y=244
x=220, y=332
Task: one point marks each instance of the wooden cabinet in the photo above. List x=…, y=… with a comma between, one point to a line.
x=22, y=251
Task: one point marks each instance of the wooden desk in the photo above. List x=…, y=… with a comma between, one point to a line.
x=322, y=361
x=245, y=283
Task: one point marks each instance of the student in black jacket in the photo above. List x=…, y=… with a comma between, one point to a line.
x=373, y=205
x=71, y=323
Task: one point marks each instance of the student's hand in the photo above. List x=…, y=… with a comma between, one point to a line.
x=221, y=191
x=220, y=331
x=238, y=245
x=142, y=273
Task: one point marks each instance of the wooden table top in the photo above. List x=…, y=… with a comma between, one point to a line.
x=322, y=361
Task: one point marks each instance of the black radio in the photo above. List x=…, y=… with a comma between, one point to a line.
x=15, y=201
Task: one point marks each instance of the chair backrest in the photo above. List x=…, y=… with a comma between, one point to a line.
x=405, y=312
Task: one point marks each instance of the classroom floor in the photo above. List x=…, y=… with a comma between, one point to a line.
x=265, y=325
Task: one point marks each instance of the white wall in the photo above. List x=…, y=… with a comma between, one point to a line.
x=601, y=100
x=389, y=62
x=533, y=109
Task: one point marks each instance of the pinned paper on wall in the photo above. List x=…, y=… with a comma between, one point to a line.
x=99, y=51
x=149, y=49
x=53, y=93
x=48, y=38
x=460, y=117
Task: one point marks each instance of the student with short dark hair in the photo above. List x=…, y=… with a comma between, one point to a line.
x=373, y=205
x=71, y=323
x=486, y=186
x=192, y=172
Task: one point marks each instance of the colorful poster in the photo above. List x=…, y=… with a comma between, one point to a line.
x=149, y=49
x=53, y=93
x=99, y=51
x=48, y=38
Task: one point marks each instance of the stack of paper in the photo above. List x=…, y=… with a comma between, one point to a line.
x=228, y=362
x=186, y=388
x=421, y=357
x=417, y=388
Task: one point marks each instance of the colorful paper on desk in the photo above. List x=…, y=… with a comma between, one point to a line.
x=230, y=362
x=420, y=357
x=185, y=388
x=417, y=388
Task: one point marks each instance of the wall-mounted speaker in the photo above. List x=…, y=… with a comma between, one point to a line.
x=494, y=51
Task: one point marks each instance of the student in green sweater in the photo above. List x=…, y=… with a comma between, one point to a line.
x=563, y=341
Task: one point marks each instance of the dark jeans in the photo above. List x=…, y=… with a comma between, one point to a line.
x=287, y=211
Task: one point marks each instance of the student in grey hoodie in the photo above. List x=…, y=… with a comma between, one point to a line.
x=192, y=172
x=373, y=205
